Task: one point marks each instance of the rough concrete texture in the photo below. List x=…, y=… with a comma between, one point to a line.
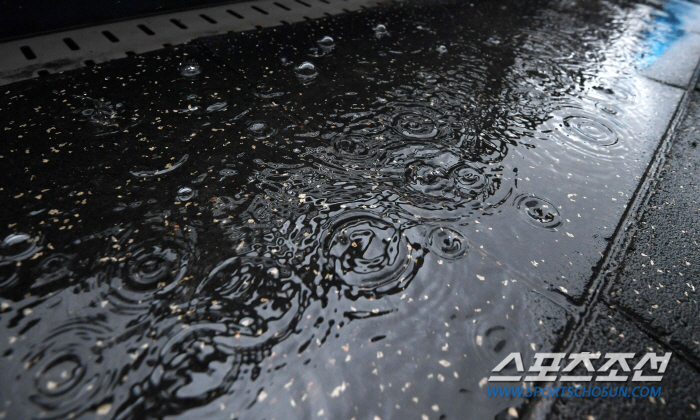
x=657, y=283
x=609, y=331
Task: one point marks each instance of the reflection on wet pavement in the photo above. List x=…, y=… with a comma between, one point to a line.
x=356, y=217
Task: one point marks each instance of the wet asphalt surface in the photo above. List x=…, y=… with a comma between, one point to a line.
x=355, y=217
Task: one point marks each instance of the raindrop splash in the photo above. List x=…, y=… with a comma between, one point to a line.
x=447, y=243
x=537, y=211
x=190, y=68
x=326, y=43
x=380, y=31
x=306, y=72
x=416, y=126
x=185, y=194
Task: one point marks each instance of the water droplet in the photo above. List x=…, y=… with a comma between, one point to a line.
x=260, y=129
x=306, y=72
x=380, y=31
x=326, y=43
x=218, y=106
x=609, y=109
x=18, y=247
x=618, y=90
x=257, y=127
x=185, y=194
x=190, y=68
x=537, y=211
x=442, y=49
x=447, y=243
x=148, y=266
x=470, y=182
x=427, y=178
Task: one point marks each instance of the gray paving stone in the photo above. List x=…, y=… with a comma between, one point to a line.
x=677, y=64
x=608, y=331
x=658, y=283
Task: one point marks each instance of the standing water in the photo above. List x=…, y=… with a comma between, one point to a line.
x=364, y=236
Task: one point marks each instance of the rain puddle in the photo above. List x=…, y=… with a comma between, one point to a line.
x=352, y=218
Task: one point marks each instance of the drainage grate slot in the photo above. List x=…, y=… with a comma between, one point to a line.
x=231, y=12
x=130, y=53
x=110, y=36
x=325, y=1
x=301, y=2
x=71, y=44
x=89, y=63
x=208, y=19
x=179, y=24
x=43, y=73
x=282, y=6
x=259, y=10
x=28, y=53
x=146, y=29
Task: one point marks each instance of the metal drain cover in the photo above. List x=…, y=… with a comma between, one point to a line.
x=60, y=51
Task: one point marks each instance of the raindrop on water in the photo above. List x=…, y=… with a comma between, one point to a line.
x=447, y=243
x=260, y=129
x=415, y=126
x=326, y=43
x=353, y=147
x=190, y=68
x=537, y=211
x=590, y=130
x=369, y=254
x=185, y=193
x=17, y=247
x=306, y=72
x=218, y=106
x=442, y=49
x=380, y=31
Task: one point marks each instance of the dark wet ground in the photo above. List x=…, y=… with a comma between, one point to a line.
x=275, y=224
